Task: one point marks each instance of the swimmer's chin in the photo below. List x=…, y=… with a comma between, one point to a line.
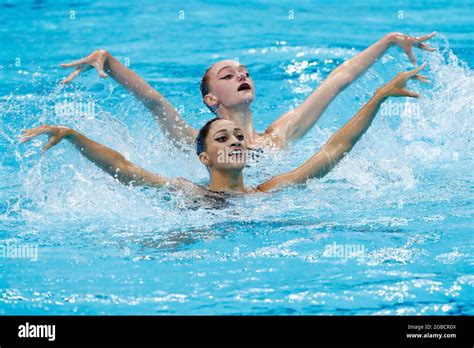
x=247, y=98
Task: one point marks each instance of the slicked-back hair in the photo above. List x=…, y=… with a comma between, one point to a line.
x=202, y=135
x=204, y=86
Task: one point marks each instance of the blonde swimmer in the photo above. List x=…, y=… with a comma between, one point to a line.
x=228, y=89
x=221, y=146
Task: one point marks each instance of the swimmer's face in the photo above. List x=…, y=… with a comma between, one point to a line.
x=226, y=147
x=230, y=85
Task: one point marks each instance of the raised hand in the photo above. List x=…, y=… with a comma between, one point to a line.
x=406, y=43
x=397, y=86
x=55, y=133
x=94, y=60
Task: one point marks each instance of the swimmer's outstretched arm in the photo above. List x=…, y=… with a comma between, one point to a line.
x=297, y=122
x=345, y=138
x=105, y=158
x=167, y=116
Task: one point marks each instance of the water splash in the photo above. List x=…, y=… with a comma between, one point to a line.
x=384, y=194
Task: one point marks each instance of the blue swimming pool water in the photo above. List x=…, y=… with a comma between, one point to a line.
x=400, y=206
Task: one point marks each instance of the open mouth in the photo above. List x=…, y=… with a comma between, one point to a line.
x=243, y=87
x=236, y=152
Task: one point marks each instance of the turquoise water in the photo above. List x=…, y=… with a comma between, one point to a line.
x=399, y=207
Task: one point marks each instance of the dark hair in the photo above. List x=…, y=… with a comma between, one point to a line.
x=204, y=86
x=202, y=135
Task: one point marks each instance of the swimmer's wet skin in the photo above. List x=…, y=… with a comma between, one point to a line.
x=228, y=90
x=221, y=136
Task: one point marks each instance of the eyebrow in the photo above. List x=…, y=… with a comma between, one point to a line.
x=225, y=129
x=229, y=66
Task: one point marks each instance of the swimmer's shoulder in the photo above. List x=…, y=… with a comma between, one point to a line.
x=269, y=140
x=263, y=145
x=187, y=186
x=199, y=196
x=193, y=189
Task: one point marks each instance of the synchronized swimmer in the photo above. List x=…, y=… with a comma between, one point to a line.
x=223, y=143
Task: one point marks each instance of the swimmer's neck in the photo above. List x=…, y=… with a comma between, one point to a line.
x=242, y=117
x=225, y=181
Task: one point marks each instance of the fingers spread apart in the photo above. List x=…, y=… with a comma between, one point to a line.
x=71, y=76
x=411, y=94
x=75, y=63
x=52, y=141
x=410, y=54
x=426, y=37
x=416, y=70
x=29, y=134
x=100, y=68
x=426, y=47
x=421, y=78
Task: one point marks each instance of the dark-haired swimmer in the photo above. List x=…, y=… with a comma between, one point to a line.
x=227, y=88
x=221, y=146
